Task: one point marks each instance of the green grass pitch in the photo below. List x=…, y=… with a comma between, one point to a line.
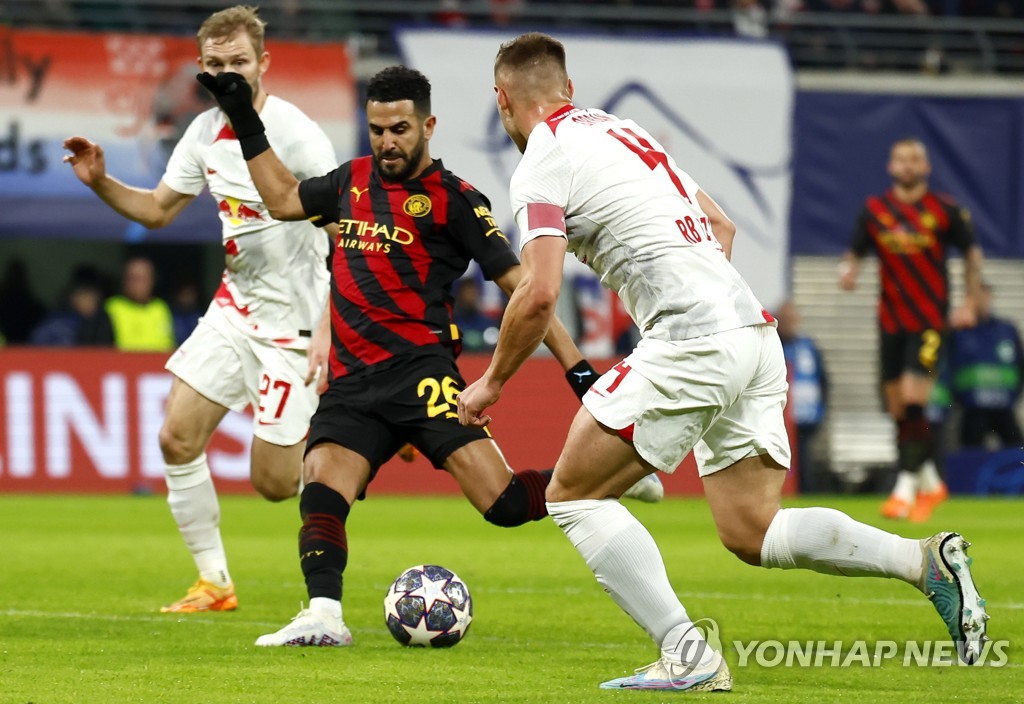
x=81, y=579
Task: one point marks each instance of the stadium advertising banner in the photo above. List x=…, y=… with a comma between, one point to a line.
x=721, y=107
x=134, y=95
x=88, y=420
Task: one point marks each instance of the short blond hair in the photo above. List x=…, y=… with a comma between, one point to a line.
x=530, y=50
x=227, y=22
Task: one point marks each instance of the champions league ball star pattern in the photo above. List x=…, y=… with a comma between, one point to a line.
x=428, y=605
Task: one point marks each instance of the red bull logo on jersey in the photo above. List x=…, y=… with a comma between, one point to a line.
x=238, y=213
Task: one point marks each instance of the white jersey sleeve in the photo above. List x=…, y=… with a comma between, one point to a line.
x=311, y=154
x=184, y=172
x=540, y=191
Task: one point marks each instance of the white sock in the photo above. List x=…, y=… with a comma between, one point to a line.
x=326, y=606
x=625, y=560
x=830, y=542
x=193, y=502
x=685, y=643
x=928, y=477
x=906, y=486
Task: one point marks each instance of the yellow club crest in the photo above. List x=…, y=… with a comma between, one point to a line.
x=417, y=206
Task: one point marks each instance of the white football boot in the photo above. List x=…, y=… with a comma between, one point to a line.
x=649, y=490
x=667, y=675
x=310, y=628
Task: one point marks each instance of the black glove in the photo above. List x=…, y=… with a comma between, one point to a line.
x=234, y=95
x=581, y=377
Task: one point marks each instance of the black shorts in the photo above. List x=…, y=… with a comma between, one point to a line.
x=914, y=352
x=400, y=401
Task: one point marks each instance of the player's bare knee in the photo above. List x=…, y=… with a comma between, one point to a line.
x=744, y=544
x=274, y=488
x=557, y=491
x=176, y=448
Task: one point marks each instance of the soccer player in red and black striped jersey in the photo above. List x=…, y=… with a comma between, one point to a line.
x=408, y=229
x=911, y=228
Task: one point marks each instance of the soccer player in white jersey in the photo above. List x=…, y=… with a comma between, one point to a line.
x=708, y=375
x=250, y=348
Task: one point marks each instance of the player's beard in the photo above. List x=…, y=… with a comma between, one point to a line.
x=910, y=181
x=401, y=173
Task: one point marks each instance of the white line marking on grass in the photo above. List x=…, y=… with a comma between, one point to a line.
x=745, y=596
x=237, y=621
x=133, y=618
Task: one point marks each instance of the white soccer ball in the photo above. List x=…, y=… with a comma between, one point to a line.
x=428, y=605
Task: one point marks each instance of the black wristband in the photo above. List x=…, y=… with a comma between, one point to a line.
x=581, y=378
x=254, y=145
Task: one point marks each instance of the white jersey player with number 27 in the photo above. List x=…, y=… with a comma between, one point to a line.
x=255, y=345
x=274, y=287
x=275, y=283
x=633, y=216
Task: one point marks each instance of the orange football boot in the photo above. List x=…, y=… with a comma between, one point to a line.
x=896, y=508
x=926, y=503
x=204, y=596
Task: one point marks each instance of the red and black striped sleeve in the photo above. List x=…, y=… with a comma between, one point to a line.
x=961, y=230
x=861, y=243
x=319, y=195
x=478, y=232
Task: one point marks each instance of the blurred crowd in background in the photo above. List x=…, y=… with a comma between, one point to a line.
x=94, y=309
x=933, y=36
x=454, y=11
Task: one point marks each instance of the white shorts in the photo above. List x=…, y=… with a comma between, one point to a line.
x=720, y=395
x=237, y=371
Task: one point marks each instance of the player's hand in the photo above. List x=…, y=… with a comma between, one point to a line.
x=317, y=360
x=581, y=378
x=234, y=95
x=847, y=277
x=474, y=400
x=86, y=159
x=963, y=316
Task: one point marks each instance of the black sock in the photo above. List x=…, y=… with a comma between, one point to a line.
x=914, y=440
x=523, y=499
x=323, y=545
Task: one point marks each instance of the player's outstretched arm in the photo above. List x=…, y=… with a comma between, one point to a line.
x=580, y=373
x=525, y=323
x=558, y=339
x=153, y=208
x=278, y=187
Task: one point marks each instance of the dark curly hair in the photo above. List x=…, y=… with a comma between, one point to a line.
x=400, y=83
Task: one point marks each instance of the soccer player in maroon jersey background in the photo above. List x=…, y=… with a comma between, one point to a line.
x=910, y=228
